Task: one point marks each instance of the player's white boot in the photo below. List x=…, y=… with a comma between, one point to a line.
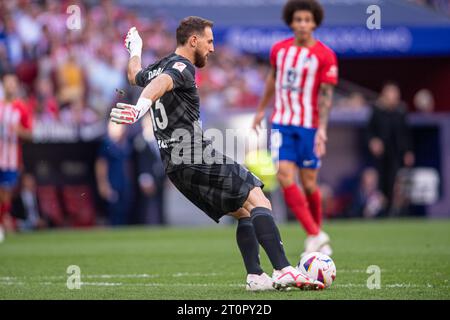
x=256, y=282
x=315, y=243
x=326, y=249
x=289, y=277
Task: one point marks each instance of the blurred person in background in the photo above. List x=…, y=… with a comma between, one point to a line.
x=70, y=78
x=150, y=175
x=25, y=206
x=424, y=101
x=4, y=61
x=103, y=78
x=15, y=125
x=302, y=77
x=367, y=201
x=112, y=170
x=12, y=40
x=389, y=138
x=78, y=114
x=44, y=104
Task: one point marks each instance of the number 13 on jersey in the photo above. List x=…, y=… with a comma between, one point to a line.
x=162, y=121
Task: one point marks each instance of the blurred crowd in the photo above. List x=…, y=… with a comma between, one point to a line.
x=69, y=72
x=231, y=80
x=69, y=62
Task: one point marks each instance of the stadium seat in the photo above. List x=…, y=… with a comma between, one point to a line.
x=79, y=204
x=50, y=205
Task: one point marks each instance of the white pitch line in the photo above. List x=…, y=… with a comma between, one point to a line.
x=109, y=276
x=112, y=276
x=101, y=284
x=96, y=276
x=187, y=274
x=356, y=270
x=12, y=283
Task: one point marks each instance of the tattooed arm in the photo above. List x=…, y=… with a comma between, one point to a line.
x=325, y=100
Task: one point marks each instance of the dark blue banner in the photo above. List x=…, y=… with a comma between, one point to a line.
x=347, y=41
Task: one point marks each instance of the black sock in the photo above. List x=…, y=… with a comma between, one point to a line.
x=249, y=246
x=269, y=237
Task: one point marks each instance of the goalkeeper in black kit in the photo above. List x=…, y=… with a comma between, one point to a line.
x=212, y=181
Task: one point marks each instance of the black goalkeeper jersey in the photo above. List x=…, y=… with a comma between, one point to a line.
x=176, y=114
x=212, y=181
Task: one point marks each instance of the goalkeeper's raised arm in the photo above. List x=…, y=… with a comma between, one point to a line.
x=125, y=113
x=133, y=43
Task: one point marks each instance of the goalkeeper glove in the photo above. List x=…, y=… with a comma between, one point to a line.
x=133, y=43
x=128, y=114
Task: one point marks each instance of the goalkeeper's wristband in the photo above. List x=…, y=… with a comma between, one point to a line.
x=136, y=52
x=142, y=106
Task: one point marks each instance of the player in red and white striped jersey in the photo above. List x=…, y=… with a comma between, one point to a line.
x=303, y=74
x=15, y=125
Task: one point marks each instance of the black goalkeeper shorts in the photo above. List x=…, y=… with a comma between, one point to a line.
x=217, y=189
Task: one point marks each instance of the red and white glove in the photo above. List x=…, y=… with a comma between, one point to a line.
x=133, y=42
x=125, y=113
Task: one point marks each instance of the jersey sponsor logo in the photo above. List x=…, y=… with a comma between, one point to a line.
x=167, y=143
x=154, y=73
x=291, y=76
x=291, y=79
x=180, y=66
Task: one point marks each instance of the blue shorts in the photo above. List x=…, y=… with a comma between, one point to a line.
x=8, y=178
x=294, y=144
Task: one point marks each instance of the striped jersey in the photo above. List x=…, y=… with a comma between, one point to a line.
x=299, y=73
x=12, y=115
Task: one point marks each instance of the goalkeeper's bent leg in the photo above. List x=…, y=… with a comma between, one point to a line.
x=266, y=230
x=247, y=242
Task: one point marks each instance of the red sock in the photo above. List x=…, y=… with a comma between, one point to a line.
x=315, y=206
x=299, y=206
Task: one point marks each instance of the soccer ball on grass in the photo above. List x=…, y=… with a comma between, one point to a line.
x=318, y=266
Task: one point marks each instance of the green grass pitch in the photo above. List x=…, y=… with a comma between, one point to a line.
x=204, y=263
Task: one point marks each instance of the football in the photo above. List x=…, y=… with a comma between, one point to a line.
x=318, y=266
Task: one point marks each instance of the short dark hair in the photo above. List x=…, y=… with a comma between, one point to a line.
x=390, y=83
x=190, y=25
x=7, y=72
x=312, y=6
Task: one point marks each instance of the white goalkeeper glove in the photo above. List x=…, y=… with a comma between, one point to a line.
x=133, y=43
x=125, y=113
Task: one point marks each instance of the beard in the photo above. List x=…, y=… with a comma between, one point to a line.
x=200, y=61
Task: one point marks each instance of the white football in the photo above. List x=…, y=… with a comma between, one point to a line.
x=318, y=266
